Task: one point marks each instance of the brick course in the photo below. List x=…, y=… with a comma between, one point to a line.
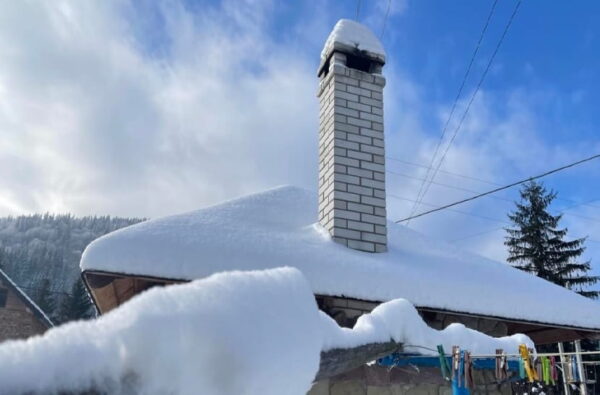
x=351, y=157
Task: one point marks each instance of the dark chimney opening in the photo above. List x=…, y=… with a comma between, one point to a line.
x=358, y=63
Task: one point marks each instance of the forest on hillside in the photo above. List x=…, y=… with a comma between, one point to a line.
x=41, y=254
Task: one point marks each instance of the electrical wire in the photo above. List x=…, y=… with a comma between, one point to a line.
x=570, y=165
x=460, y=89
x=478, y=234
x=587, y=239
x=466, y=177
x=387, y=12
x=479, y=216
x=502, y=228
x=451, y=210
x=562, y=211
x=446, y=185
x=464, y=115
x=443, y=171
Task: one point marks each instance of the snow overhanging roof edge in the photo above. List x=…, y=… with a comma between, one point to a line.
x=427, y=308
x=276, y=228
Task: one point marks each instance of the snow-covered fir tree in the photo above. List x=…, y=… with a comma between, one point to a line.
x=538, y=245
x=44, y=297
x=77, y=305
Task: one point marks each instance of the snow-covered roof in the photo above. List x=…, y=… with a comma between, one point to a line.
x=278, y=228
x=350, y=36
x=31, y=305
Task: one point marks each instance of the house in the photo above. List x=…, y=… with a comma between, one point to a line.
x=20, y=317
x=340, y=237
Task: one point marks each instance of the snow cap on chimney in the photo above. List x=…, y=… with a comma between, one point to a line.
x=349, y=37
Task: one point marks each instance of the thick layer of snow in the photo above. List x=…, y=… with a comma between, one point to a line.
x=349, y=35
x=277, y=227
x=232, y=333
x=399, y=320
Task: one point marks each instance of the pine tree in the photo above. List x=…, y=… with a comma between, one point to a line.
x=537, y=245
x=78, y=304
x=3, y=258
x=44, y=298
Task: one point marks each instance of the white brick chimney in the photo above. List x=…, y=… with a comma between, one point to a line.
x=351, y=145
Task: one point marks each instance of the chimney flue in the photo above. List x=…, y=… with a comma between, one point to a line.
x=351, y=143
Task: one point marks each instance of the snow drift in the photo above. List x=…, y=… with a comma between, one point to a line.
x=254, y=332
x=399, y=320
x=233, y=333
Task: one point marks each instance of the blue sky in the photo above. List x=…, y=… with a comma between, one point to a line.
x=150, y=108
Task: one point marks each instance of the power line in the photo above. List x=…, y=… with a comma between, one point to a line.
x=480, y=83
x=478, y=234
x=446, y=185
x=482, y=217
x=460, y=89
x=562, y=211
x=469, y=214
x=443, y=171
x=477, y=216
x=357, y=9
x=501, y=188
x=502, y=228
x=577, y=203
x=581, y=216
x=451, y=210
x=387, y=12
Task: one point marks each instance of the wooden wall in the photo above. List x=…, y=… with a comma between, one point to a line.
x=16, y=319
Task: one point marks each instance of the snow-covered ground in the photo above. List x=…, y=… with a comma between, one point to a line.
x=256, y=332
x=278, y=228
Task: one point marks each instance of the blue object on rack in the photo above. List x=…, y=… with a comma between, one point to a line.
x=456, y=390
x=521, y=368
x=461, y=369
x=401, y=359
x=459, y=385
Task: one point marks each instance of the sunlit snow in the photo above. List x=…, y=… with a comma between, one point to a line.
x=254, y=332
x=278, y=228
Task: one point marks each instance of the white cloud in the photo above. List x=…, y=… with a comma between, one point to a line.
x=109, y=107
x=94, y=123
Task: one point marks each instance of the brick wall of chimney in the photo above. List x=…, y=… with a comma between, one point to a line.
x=352, y=156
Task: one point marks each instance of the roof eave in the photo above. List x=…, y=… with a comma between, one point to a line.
x=594, y=332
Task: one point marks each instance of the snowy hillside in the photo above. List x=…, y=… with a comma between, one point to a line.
x=41, y=253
